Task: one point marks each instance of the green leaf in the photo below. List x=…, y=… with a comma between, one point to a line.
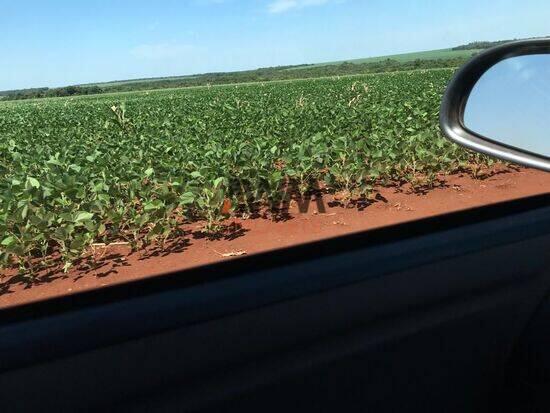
x=33, y=182
x=25, y=211
x=6, y=242
x=83, y=216
x=187, y=198
x=153, y=205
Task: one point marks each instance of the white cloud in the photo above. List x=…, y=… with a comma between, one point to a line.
x=281, y=6
x=162, y=51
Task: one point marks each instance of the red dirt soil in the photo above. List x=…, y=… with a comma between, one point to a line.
x=253, y=235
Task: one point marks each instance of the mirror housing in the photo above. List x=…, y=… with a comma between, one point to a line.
x=459, y=89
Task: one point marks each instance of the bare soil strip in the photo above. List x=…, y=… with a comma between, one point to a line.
x=253, y=235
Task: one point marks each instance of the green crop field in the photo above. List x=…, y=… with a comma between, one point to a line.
x=404, y=57
x=133, y=167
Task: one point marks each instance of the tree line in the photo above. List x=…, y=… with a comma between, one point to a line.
x=480, y=45
x=257, y=75
x=51, y=92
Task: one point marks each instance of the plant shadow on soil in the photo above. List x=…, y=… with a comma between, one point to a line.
x=423, y=189
x=360, y=204
x=227, y=232
x=108, y=263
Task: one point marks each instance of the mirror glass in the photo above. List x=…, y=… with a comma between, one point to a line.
x=510, y=104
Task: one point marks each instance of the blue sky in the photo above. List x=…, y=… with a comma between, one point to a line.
x=510, y=102
x=60, y=42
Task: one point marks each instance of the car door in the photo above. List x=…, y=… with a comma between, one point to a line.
x=421, y=316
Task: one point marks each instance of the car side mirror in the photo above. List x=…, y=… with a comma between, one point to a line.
x=499, y=103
